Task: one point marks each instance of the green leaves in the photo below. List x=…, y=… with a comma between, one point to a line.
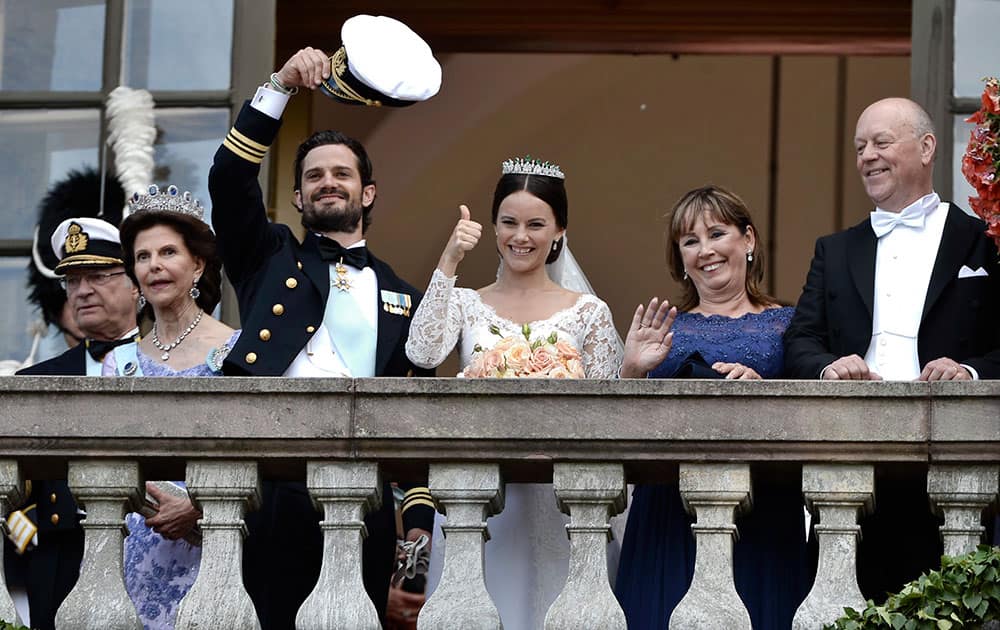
x=962, y=595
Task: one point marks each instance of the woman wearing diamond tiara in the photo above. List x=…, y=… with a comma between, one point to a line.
x=523, y=325
x=170, y=254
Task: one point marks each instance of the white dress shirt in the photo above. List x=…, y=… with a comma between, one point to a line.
x=903, y=263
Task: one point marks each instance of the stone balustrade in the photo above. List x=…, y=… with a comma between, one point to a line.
x=468, y=438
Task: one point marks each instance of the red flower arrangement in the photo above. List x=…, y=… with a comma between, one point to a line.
x=981, y=162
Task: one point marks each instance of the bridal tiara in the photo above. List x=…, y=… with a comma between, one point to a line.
x=530, y=166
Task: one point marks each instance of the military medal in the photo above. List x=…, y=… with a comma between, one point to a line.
x=341, y=282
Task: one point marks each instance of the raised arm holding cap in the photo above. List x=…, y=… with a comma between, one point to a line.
x=325, y=306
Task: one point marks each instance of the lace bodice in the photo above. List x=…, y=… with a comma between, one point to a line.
x=448, y=316
x=753, y=340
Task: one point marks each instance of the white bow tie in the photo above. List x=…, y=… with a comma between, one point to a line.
x=883, y=222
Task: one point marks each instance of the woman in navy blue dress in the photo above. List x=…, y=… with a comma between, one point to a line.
x=725, y=327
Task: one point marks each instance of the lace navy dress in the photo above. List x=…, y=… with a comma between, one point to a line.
x=771, y=562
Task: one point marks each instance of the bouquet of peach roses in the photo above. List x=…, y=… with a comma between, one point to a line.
x=518, y=356
x=981, y=162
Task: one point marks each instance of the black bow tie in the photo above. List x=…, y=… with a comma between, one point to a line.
x=332, y=252
x=97, y=349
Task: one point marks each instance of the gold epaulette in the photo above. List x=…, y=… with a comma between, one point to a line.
x=20, y=529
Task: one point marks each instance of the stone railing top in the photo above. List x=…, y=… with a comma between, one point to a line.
x=525, y=422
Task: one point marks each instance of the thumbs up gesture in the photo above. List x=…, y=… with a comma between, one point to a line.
x=463, y=238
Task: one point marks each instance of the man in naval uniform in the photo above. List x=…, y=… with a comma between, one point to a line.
x=102, y=300
x=910, y=293
x=322, y=307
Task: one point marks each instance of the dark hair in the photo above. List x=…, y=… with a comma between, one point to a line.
x=198, y=239
x=551, y=190
x=329, y=136
x=76, y=195
x=731, y=210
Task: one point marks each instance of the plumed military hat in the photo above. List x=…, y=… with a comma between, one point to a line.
x=381, y=62
x=85, y=242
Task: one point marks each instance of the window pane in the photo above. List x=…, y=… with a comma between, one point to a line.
x=52, y=45
x=15, y=311
x=178, y=44
x=187, y=142
x=38, y=148
x=977, y=47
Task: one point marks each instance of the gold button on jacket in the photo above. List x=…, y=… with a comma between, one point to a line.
x=264, y=334
x=251, y=357
x=53, y=498
x=55, y=519
x=291, y=283
x=310, y=329
x=278, y=309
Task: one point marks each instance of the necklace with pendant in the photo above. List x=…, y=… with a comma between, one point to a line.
x=341, y=282
x=165, y=349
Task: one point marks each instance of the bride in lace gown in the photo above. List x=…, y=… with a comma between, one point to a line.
x=527, y=556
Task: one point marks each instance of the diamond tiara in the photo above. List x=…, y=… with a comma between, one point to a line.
x=169, y=200
x=530, y=166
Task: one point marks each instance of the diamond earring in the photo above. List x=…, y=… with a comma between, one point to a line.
x=749, y=255
x=195, y=292
x=140, y=303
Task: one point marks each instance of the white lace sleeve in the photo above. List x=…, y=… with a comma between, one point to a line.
x=602, y=347
x=437, y=323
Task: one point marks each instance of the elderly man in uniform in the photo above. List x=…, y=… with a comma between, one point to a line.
x=102, y=300
x=910, y=293
x=325, y=306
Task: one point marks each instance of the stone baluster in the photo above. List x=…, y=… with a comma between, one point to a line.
x=962, y=492
x=713, y=493
x=590, y=494
x=838, y=494
x=224, y=491
x=467, y=494
x=107, y=490
x=346, y=491
x=10, y=496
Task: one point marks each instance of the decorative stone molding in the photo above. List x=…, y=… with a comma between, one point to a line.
x=839, y=494
x=10, y=496
x=590, y=494
x=713, y=493
x=107, y=490
x=467, y=494
x=961, y=492
x=346, y=491
x=224, y=491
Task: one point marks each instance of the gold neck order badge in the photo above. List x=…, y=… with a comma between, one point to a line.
x=341, y=282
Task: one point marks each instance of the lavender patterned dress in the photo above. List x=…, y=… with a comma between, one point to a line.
x=159, y=572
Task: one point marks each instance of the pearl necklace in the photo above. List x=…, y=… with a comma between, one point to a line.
x=165, y=349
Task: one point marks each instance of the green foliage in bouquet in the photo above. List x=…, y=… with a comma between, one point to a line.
x=965, y=593
x=9, y=626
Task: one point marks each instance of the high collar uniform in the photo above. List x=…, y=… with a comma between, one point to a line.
x=283, y=286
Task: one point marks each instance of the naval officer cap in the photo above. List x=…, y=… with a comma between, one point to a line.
x=381, y=62
x=86, y=242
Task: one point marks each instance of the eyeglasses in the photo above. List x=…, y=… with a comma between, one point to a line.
x=94, y=279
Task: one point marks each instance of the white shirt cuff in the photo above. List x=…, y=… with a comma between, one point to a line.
x=269, y=102
x=972, y=371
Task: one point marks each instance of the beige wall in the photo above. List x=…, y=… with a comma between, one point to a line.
x=632, y=134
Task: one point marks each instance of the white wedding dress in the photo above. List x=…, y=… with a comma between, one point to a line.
x=527, y=556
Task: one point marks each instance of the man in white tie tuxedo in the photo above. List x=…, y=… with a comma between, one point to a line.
x=910, y=293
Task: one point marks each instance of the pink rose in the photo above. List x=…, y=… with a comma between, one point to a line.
x=575, y=368
x=566, y=350
x=543, y=358
x=506, y=343
x=492, y=362
x=518, y=356
x=475, y=369
x=559, y=372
